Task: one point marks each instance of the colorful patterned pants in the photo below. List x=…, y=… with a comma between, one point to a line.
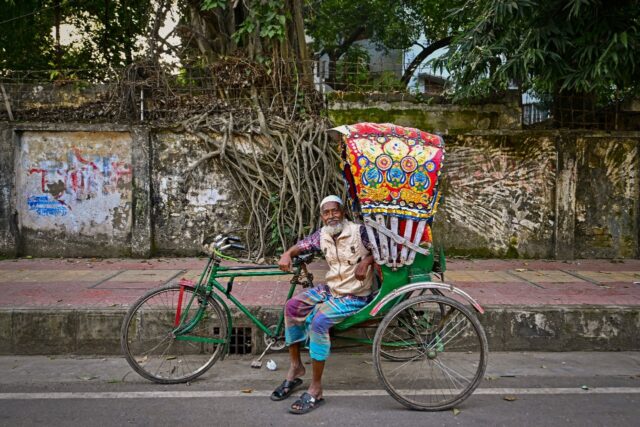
x=310, y=314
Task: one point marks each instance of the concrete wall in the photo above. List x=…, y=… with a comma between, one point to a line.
x=73, y=187
x=406, y=110
x=184, y=212
x=74, y=190
x=541, y=194
x=498, y=195
x=99, y=190
x=607, y=193
x=508, y=328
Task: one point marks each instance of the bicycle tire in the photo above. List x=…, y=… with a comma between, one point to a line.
x=389, y=355
x=450, y=353
x=152, y=349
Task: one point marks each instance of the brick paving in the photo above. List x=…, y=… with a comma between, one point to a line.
x=102, y=283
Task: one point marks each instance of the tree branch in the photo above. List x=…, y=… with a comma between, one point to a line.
x=424, y=54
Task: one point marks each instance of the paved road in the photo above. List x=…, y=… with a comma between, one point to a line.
x=547, y=388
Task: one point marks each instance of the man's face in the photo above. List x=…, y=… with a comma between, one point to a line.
x=331, y=213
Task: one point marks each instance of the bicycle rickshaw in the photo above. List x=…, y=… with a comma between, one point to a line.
x=429, y=349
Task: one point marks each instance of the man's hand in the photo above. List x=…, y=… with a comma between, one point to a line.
x=285, y=262
x=363, y=267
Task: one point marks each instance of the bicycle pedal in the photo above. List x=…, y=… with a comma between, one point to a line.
x=256, y=364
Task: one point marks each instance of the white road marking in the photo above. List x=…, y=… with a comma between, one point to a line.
x=328, y=393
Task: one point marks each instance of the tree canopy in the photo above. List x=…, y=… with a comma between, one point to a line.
x=106, y=33
x=549, y=46
x=335, y=25
x=256, y=29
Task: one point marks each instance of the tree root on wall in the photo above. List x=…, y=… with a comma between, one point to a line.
x=282, y=173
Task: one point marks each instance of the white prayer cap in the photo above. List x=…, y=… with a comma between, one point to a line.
x=331, y=198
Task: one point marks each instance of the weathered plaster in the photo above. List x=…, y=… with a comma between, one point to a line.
x=73, y=185
x=498, y=196
x=8, y=246
x=438, y=118
x=607, y=197
x=185, y=212
x=566, y=182
x=141, y=237
x=511, y=193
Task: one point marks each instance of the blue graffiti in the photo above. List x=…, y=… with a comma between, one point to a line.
x=46, y=206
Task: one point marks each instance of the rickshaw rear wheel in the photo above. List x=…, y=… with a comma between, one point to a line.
x=397, y=357
x=444, y=351
x=390, y=355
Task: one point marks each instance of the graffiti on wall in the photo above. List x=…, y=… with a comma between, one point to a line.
x=75, y=181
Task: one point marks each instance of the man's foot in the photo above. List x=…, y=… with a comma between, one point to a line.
x=295, y=371
x=306, y=403
x=285, y=389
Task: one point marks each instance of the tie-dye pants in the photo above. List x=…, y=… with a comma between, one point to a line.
x=310, y=314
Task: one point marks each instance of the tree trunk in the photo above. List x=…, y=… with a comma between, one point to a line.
x=128, y=39
x=105, y=37
x=154, y=34
x=201, y=32
x=298, y=40
x=336, y=53
x=57, y=22
x=213, y=30
x=419, y=59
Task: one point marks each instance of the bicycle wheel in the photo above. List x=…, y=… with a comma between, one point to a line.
x=156, y=352
x=397, y=354
x=444, y=349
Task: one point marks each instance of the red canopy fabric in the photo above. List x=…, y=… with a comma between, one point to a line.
x=392, y=169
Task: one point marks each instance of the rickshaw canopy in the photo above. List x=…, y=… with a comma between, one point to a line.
x=392, y=170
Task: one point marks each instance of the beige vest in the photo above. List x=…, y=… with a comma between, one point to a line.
x=343, y=255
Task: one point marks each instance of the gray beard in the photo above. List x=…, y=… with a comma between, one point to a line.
x=334, y=230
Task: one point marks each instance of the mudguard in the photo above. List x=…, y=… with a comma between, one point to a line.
x=192, y=285
x=426, y=285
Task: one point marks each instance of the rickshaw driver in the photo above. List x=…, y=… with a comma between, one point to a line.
x=310, y=314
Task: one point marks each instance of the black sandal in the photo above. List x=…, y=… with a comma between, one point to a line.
x=285, y=389
x=306, y=403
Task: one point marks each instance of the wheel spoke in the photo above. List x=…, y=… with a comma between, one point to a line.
x=148, y=340
x=453, y=376
x=430, y=375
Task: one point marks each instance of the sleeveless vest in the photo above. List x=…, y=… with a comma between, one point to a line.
x=343, y=255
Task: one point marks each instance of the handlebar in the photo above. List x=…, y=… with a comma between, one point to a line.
x=302, y=259
x=220, y=243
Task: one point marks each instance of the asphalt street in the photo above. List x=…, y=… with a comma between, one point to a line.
x=525, y=389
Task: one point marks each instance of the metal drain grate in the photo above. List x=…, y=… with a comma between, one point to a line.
x=240, y=340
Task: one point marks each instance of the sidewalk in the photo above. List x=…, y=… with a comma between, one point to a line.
x=601, y=297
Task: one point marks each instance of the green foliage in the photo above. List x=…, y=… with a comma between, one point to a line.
x=387, y=81
x=268, y=17
x=548, y=46
x=353, y=68
x=390, y=23
x=354, y=72
x=25, y=42
x=335, y=25
x=108, y=30
x=213, y=4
